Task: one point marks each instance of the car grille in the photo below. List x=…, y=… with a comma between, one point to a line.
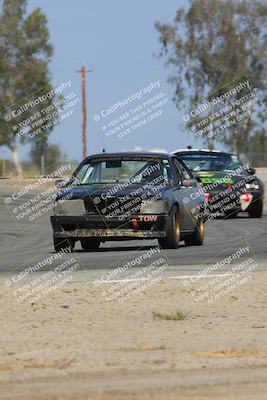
x=114, y=206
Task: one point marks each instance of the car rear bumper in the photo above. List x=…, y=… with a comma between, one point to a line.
x=137, y=226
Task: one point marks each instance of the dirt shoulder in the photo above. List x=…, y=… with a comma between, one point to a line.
x=73, y=344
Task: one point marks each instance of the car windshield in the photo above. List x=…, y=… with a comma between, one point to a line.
x=120, y=170
x=211, y=162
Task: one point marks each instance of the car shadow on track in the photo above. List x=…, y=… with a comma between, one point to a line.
x=117, y=248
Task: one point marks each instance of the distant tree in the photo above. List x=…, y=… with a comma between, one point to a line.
x=24, y=55
x=210, y=45
x=257, y=149
x=6, y=167
x=52, y=155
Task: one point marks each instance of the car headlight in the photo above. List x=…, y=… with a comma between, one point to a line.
x=69, y=207
x=252, y=186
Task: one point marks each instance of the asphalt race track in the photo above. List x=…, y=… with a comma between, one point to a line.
x=24, y=244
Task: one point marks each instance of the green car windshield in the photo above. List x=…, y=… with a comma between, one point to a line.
x=119, y=170
x=211, y=162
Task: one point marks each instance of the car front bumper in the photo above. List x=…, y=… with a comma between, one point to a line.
x=137, y=226
x=220, y=202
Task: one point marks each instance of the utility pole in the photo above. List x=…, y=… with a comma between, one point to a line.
x=84, y=109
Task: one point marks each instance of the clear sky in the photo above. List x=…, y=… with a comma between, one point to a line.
x=118, y=40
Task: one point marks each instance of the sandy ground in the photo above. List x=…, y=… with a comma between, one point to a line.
x=73, y=344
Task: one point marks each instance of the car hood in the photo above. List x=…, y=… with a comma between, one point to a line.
x=108, y=190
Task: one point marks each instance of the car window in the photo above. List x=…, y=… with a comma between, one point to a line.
x=210, y=161
x=186, y=173
x=181, y=171
x=166, y=170
x=122, y=170
x=80, y=174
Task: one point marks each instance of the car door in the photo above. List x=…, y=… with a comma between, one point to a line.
x=188, y=194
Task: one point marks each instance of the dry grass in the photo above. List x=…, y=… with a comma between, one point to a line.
x=57, y=364
x=232, y=353
x=177, y=315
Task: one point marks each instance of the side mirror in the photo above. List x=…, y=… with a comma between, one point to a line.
x=188, y=183
x=60, y=183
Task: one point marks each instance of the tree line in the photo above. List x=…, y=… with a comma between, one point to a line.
x=209, y=46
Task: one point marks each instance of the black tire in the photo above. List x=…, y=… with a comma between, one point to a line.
x=90, y=243
x=64, y=244
x=256, y=210
x=173, y=231
x=197, y=238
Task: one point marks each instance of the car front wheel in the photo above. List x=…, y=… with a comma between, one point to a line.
x=256, y=209
x=173, y=231
x=197, y=238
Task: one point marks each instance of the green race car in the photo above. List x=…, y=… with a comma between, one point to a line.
x=230, y=186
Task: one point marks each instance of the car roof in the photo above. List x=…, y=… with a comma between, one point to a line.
x=130, y=154
x=201, y=151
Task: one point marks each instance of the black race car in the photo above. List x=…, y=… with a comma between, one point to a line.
x=230, y=186
x=126, y=196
